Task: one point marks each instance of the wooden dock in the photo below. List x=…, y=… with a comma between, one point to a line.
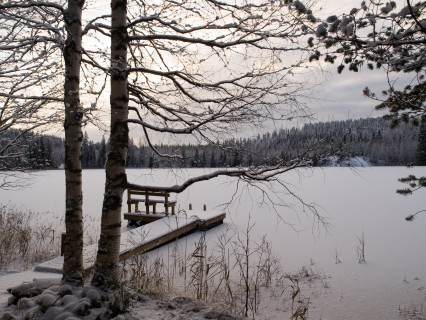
x=141, y=217
x=146, y=237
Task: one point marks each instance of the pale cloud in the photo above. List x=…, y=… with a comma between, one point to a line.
x=340, y=97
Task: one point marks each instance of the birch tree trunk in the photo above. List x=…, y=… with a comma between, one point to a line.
x=106, y=267
x=73, y=254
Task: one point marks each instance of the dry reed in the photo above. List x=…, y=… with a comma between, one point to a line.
x=229, y=276
x=24, y=239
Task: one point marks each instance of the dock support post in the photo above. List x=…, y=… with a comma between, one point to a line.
x=63, y=238
x=190, y=206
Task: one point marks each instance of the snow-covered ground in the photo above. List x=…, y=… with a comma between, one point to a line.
x=355, y=203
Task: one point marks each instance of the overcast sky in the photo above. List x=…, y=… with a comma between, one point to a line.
x=339, y=97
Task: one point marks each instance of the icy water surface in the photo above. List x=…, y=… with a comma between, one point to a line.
x=354, y=202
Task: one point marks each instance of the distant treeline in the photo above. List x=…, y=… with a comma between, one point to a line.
x=368, y=138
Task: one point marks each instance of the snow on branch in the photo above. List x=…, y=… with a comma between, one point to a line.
x=32, y=4
x=378, y=34
x=252, y=174
x=21, y=97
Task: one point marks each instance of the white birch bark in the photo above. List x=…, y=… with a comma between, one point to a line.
x=106, y=266
x=73, y=254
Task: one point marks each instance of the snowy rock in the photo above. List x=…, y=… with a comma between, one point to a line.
x=65, y=316
x=94, y=297
x=26, y=303
x=12, y=300
x=50, y=292
x=25, y=290
x=55, y=313
x=194, y=306
x=32, y=289
x=8, y=316
x=85, y=290
x=181, y=300
x=214, y=315
x=166, y=305
x=69, y=300
x=93, y=294
x=220, y=316
x=32, y=313
x=46, y=300
x=65, y=290
x=81, y=308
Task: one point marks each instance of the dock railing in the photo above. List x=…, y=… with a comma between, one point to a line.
x=151, y=199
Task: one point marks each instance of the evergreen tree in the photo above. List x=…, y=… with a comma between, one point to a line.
x=132, y=158
x=91, y=155
x=421, y=147
x=32, y=154
x=142, y=155
x=195, y=160
x=183, y=154
x=236, y=159
x=250, y=160
x=101, y=154
x=203, y=159
x=213, y=163
x=151, y=162
x=88, y=153
x=85, y=151
x=41, y=154
x=45, y=154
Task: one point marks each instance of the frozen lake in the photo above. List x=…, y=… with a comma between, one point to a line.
x=354, y=202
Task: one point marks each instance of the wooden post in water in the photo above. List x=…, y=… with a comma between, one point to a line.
x=190, y=206
x=205, y=207
x=63, y=238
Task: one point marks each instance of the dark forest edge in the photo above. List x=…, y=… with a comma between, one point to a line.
x=371, y=139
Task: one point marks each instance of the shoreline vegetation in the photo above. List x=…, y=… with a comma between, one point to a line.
x=27, y=238
x=228, y=278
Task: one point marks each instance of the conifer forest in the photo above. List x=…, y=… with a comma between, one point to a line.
x=370, y=138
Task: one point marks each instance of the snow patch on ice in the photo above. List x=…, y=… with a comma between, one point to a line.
x=335, y=161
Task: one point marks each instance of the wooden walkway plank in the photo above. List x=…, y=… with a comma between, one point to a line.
x=145, y=238
x=155, y=234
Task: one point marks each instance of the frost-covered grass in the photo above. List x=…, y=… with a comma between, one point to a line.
x=234, y=274
x=25, y=238
x=412, y=312
x=230, y=277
